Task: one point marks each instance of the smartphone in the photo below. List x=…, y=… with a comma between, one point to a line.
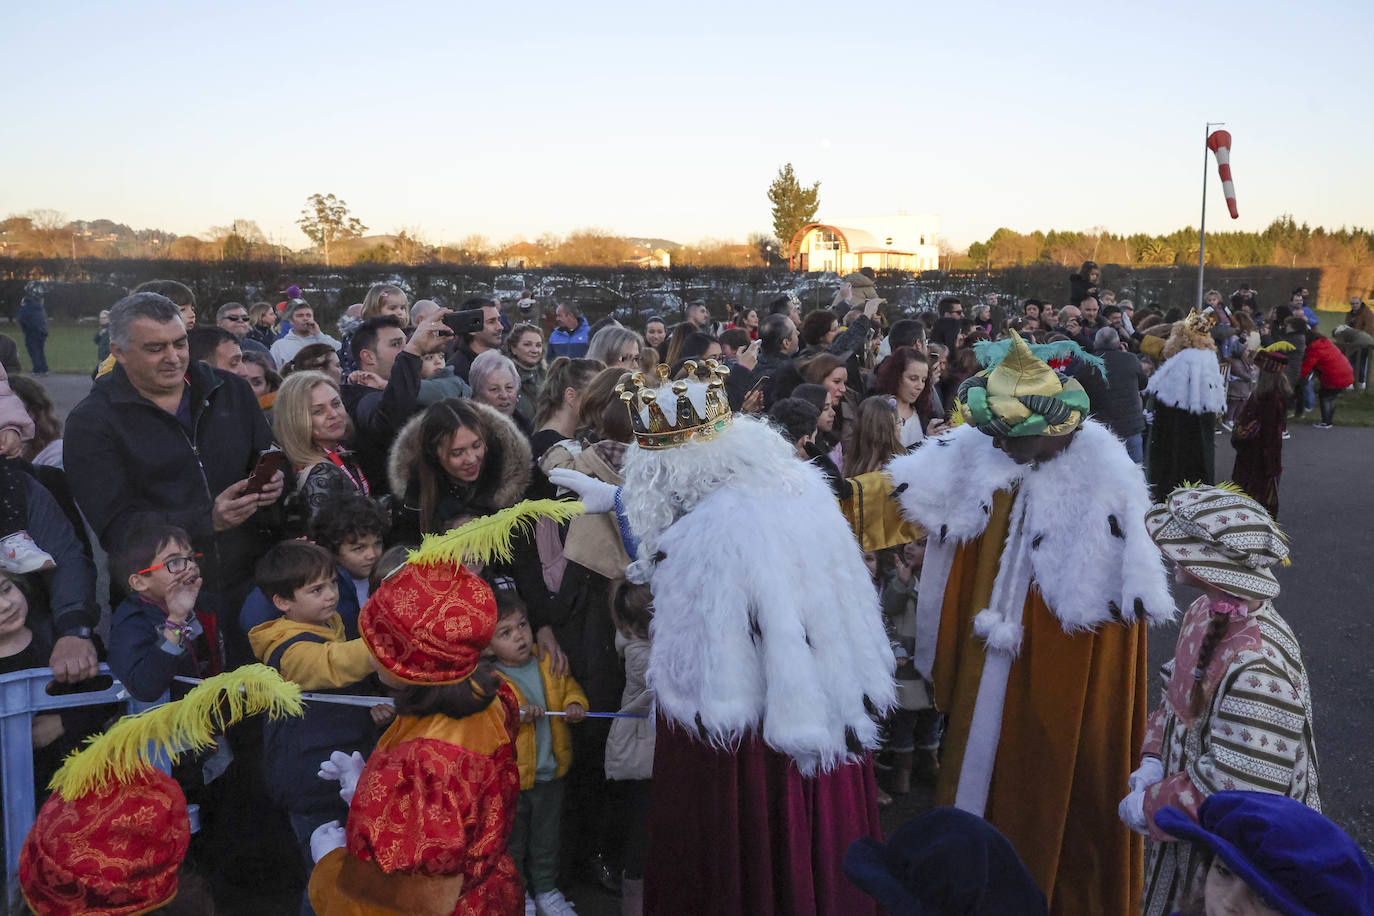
x=467, y=321
x=757, y=385
x=270, y=462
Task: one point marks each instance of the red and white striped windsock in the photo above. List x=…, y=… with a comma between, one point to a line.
x=1220, y=143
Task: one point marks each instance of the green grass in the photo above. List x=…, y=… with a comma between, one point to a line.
x=70, y=348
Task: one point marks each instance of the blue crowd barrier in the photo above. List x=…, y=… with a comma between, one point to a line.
x=23, y=694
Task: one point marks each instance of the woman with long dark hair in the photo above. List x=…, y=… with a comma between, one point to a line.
x=904, y=377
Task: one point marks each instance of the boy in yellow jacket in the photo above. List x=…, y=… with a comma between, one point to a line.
x=543, y=751
x=307, y=645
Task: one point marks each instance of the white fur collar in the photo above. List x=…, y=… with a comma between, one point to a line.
x=1091, y=557
x=767, y=622
x=1190, y=380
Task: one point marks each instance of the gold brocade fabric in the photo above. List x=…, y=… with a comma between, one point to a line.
x=1074, y=718
x=875, y=515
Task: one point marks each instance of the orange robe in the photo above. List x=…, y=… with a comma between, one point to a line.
x=1074, y=716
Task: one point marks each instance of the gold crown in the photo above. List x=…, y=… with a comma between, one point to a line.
x=701, y=411
x=1201, y=322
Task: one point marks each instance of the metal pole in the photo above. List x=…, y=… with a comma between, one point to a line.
x=1202, y=228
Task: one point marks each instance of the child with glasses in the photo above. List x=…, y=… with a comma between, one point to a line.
x=157, y=633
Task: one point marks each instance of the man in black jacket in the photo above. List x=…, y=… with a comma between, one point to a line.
x=392, y=366
x=162, y=440
x=1122, y=410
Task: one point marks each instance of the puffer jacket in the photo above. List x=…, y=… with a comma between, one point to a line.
x=558, y=693
x=504, y=479
x=630, y=745
x=1322, y=356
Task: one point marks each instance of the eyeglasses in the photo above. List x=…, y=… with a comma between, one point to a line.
x=174, y=565
x=237, y=317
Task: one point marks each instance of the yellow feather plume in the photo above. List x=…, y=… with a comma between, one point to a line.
x=189, y=724
x=1278, y=346
x=488, y=539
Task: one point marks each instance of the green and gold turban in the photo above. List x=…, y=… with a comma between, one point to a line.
x=1019, y=394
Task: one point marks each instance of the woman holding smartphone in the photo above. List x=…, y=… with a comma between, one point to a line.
x=311, y=424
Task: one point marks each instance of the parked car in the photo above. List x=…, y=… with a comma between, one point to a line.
x=509, y=287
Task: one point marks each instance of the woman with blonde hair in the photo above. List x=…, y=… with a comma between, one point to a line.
x=311, y=425
x=525, y=347
x=262, y=323
x=617, y=347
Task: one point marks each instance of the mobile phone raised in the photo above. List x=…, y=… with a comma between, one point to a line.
x=269, y=463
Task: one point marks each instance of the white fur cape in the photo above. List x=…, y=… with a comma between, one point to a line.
x=1190, y=380
x=1091, y=556
x=1077, y=532
x=765, y=618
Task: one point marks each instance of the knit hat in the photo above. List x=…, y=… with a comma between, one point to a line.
x=1298, y=861
x=1018, y=394
x=946, y=861
x=429, y=621
x=111, y=838
x=1222, y=536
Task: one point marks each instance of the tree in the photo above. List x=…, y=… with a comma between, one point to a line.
x=411, y=246
x=325, y=219
x=793, y=205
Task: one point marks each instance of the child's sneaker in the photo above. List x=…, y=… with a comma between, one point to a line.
x=529, y=906
x=19, y=554
x=553, y=903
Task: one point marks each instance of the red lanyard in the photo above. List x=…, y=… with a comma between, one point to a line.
x=359, y=482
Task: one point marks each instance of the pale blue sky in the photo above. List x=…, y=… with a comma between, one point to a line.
x=670, y=120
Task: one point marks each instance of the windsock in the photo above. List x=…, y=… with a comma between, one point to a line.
x=1220, y=143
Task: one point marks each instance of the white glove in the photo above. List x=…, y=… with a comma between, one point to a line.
x=346, y=769
x=1150, y=771
x=596, y=495
x=1132, y=812
x=327, y=838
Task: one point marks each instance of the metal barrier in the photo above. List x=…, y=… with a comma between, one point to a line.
x=22, y=695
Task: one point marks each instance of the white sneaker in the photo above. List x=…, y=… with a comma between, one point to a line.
x=19, y=554
x=553, y=903
x=529, y=906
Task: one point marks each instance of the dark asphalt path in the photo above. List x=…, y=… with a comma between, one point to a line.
x=1327, y=508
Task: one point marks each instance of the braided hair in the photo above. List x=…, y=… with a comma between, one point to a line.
x=1216, y=629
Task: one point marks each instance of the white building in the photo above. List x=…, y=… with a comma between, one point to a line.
x=844, y=244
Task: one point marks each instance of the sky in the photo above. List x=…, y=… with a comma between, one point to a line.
x=512, y=119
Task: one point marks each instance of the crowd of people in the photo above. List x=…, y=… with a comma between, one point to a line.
x=259, y=489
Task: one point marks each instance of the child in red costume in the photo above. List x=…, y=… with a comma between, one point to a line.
x=432, y=810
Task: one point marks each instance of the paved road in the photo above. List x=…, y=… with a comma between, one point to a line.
x=1327, y=507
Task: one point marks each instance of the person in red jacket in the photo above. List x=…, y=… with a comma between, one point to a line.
x=1334, y=370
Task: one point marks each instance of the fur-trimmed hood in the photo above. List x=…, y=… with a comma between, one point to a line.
x=1091, y=557
x=510, y=448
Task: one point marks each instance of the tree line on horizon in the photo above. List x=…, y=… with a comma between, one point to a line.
x=1346, y=256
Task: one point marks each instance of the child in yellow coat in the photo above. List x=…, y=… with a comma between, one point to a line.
x=543, y=750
